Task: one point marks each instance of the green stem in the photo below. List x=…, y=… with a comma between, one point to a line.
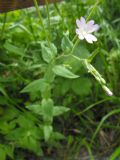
x=41, y=20
x=75, y=45
x=39, y=14
x=3, y=27
x=59, y=12
x=48, y=15
x=77, y=58
x=75, y=37
x=115, y=111
x=56, y=7
x=93, y=9
x=30, y=24
x=93, y=55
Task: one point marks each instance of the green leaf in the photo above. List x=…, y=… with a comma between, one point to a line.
x=66, y=44
x=2, y=153
x=48, y=53
x=5, y=127
x=23, y=121
x=47, y=132
x=55, y=19
x=18, y=25
x=9, y=150
x=29, y=142
x=57, y=136
x=36, y=85
x=2, y=90
x=81, y=51
x=35, y=108
x=13, y=49
x=47, y=109
x=115, y=154
x=58, y=110
x=64, y=72
x=49, y=75
x=82, y=86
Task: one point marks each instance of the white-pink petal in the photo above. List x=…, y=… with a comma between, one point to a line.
x=77, y=31
x=81, y=36
x=80, y=23
x=90, y=38
x=82, y=19
x=91, y=22
x=93, y=28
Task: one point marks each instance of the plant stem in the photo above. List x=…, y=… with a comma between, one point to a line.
x=75, y=45
x=60, y=14
x=39, y=14
x=79, y=59
x=41, y=20
x=3, y=27
x=93, y=9
x=48, y=15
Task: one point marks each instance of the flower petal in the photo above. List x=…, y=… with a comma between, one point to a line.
x=78, y=23
x=91, y=22
x=81, y=23
x=82, y=19
x=77, y=31
x=93, y=28
x=90, y=38
x=79, y=34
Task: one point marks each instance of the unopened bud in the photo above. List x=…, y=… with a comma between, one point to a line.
x=107, y=90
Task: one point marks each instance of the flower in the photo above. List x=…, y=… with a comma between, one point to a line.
x=85, y=29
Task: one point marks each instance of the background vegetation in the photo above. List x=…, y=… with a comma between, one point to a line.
x=46, y=111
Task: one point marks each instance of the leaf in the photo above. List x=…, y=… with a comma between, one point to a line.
x=115, y=154
x=47, y=132
x=2, y=90
x=35, y=108
x=21, y=27
x=47, y=109
x=29, y=142
x=48, y=53
x=23, y=121
x=58, y=110
x=49, y=75
x=6, y=127
x=57, y=136
x=13, y=49
x=10, y=113
x=66, y=44
x=55, y=20
x=36, y=85
x=81, y=51
x=9, y=150
x=64, y=72
x=82, y=86
x=2, y=154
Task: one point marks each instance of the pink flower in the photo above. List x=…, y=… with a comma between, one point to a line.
x=85, y=29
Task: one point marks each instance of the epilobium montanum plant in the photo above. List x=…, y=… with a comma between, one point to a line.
x=55, y=68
